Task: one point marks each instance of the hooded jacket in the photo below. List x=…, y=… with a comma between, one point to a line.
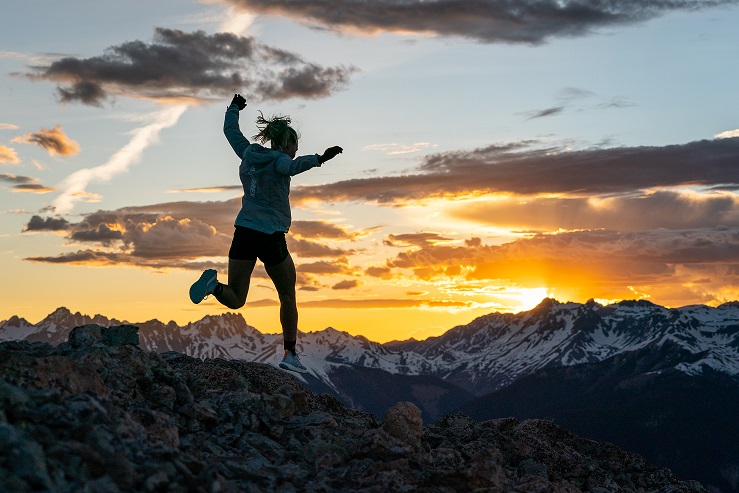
x=265, y=175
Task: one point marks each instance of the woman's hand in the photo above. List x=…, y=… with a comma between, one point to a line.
x=239, y=101
x=330, y=153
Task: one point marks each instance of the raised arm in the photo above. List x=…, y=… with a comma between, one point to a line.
x=231, y=129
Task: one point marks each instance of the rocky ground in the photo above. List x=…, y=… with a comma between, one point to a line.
x=99, y=414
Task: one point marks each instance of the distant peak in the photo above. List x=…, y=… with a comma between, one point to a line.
x=636, y=303
x=729, y=304
x=545, y=306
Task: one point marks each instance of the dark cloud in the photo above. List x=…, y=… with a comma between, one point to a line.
x=102, y=234
x=96, y=258
x=19, y=180
x=53, y=140
x=345, y=284
x=25, y=184
x=338, y=266
x=173, y=238
x=38, y=223
x=308, y=248
x=33, y=188
x=486, y=21
x=161, y=235
x=637, y=212
x=323, y=229
x=182, y=65
x=589, y=172
x=415, y=239
x=381, y=272
x=547, y=112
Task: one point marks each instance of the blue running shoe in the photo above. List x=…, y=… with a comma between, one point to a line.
x=292, y=362
x=204, y=286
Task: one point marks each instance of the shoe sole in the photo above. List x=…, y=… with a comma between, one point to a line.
x=198, y=290
x=286, y=366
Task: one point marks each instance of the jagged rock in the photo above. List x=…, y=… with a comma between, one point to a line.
x=90, y=416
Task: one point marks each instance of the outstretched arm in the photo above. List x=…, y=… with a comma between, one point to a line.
x=231, y=129
x=292, y=167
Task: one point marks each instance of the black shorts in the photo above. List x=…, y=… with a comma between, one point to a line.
x=249, y=244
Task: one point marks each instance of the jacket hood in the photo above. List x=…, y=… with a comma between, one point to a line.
x=260, y=155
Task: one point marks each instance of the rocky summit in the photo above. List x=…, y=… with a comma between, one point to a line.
x=99, y=414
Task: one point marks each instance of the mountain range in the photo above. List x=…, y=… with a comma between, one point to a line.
x=668, y=377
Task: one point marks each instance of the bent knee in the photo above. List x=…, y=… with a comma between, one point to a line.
x=235, y=305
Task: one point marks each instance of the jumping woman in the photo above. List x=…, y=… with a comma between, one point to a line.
x=263, y=220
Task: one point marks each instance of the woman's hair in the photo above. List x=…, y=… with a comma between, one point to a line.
x=277, y=130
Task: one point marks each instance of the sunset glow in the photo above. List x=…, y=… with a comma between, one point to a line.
x=487, y=164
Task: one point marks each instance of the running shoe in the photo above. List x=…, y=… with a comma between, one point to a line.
x=292, y=362
x=204, y=286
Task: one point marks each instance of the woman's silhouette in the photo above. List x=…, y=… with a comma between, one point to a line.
x=263, y=220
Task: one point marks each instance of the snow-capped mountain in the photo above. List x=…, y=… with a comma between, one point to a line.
x=488, y=354
x=497, y=349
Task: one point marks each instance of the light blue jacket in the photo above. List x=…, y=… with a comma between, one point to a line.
x=265, y=175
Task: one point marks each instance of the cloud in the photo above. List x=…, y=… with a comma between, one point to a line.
x=415, y=239
x=160, y=235
x=184, y=67
x=323, y=229
x=172, y=238
x=207, y=189
x=486, y=21
x=96, y=258
x=8, y=126
x=53, y=140
x=383, y=303
x=729, y=134
x=33, y=188
x=74, y=186
x=523, y=169
x=17, y=179
x=602, y=264
x=102, y=234
x=308, y=248
x=345, y=284
x=8, y=155
x=635, y=212
x=570, y=93
x=25, y=184
x=335, y=267
x=547, y=112
x=381, y=272
x=38, y=223
x=394, y=149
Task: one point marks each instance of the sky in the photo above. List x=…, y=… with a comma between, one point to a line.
x=495, y=153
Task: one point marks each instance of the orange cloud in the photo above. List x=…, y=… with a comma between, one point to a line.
x=33, y=188
x=8, y=155
x=54, y=141
x=601, y=264
x=635, y=212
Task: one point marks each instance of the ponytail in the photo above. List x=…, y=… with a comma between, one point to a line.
x=277, y=130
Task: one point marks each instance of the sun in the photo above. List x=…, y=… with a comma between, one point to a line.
x=527, y=298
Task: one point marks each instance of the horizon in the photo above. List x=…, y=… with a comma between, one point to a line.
x=487, y=164
x=444, y=331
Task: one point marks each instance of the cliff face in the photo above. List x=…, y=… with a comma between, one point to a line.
x=100, y=414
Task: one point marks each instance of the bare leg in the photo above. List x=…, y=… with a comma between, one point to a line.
x=284, y=277
x=239, y=275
